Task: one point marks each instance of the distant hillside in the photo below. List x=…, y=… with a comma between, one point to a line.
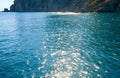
x=65, y=6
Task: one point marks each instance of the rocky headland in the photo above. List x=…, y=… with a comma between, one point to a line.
x=64, y=6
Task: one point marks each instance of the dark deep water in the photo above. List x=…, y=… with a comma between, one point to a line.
x=58, y=45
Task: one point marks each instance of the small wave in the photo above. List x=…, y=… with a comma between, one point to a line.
x=65, y=13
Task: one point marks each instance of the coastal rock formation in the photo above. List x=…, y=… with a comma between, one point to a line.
x=111, y=6
x=6, y=10
x=65, y=6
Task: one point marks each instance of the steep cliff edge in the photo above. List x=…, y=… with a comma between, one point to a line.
x=65, y=6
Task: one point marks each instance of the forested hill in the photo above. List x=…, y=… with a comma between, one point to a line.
x=65, y=6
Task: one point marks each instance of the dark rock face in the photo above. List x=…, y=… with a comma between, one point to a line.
x=6, y=10
x=111, y=6
x=65, y=6
x=44, y=5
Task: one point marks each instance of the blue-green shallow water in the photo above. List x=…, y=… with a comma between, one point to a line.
x=54, y=45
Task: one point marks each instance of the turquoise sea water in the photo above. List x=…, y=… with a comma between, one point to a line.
x=58, y=45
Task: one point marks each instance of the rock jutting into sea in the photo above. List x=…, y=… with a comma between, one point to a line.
x=65, y=6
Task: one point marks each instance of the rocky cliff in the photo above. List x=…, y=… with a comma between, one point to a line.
x=65, y=6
